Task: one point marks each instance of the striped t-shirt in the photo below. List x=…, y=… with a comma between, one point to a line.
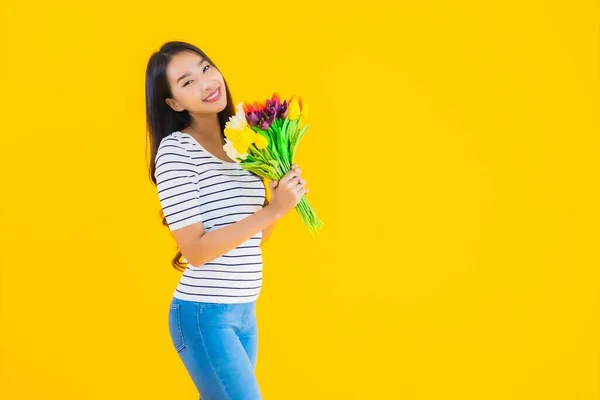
x=195, y=186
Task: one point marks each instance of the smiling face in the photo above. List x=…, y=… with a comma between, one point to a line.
x=196, y=85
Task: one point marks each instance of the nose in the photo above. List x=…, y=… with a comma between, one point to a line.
x=207, y=85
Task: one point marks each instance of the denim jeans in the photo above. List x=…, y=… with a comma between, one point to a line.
x=218, y=344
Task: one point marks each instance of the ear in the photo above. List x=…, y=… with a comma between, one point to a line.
x=173, y=104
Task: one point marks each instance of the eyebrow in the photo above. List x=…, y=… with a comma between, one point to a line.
x=187, y=73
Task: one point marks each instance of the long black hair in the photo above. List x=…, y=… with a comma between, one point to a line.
x=162, y=120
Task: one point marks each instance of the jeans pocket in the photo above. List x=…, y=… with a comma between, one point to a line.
x=175, y=327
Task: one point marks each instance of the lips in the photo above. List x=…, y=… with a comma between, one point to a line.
x=213, y=94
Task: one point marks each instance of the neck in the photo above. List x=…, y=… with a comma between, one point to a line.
x=206, y=126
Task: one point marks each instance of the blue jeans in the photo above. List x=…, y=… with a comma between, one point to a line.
x=218, y=344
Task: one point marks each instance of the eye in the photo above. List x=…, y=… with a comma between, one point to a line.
x=203, y=70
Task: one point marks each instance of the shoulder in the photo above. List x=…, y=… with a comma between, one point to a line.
x=173, y=155
x=172, y=146
x=170, y=143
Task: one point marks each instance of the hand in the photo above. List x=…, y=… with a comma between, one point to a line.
x=287, y=192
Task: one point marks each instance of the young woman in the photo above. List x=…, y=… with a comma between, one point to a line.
x=218, y=215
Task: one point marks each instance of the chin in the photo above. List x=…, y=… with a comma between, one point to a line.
x=214, y=107
x=220, y=106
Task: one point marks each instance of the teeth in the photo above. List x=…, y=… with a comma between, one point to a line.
x=214, y=95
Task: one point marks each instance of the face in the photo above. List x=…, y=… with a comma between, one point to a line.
x=194, y=83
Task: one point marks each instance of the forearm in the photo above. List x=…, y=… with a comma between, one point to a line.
x=215, y=243
x=267, y=232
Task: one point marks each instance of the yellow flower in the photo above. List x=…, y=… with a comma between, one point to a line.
x=294, y=108
x=240, y=139
x=237, y=121
x=232, y=153
x=260, y=141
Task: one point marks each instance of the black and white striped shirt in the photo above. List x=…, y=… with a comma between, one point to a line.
x=195, y=186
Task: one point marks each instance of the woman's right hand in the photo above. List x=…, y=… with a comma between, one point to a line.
x=287, y=191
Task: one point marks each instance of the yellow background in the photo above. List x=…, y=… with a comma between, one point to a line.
x=452, y=156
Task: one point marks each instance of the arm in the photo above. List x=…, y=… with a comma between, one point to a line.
x=180, y=200
x=267, y=231
x=199, y=247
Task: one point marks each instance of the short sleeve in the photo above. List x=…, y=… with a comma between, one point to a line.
x=175, y=176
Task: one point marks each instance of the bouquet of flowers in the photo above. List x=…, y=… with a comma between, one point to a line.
x=263, y=136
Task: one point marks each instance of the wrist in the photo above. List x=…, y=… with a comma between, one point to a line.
x=273, y=212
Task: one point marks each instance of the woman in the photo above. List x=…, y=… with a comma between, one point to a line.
x=218, y=215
